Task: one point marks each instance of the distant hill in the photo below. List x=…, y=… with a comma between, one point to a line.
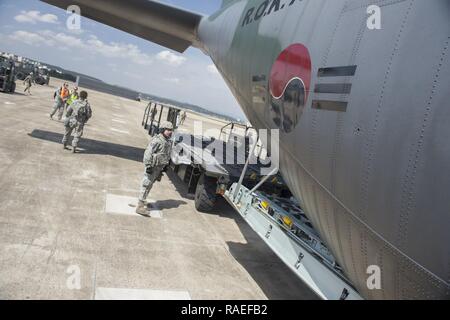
x=99, y=85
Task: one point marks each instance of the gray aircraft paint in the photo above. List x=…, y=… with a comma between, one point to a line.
x=373, y=177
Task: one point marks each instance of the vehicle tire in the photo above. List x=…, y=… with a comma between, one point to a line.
x=40, y=81
x=20, y=76
x=205, y=194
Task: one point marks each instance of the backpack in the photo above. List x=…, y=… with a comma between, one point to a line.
x=84, y=113
x=57, y=92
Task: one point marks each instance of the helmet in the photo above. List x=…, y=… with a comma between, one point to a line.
x=166, y=125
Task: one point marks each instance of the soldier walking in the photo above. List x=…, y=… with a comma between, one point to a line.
x=156, y=161
x=27, y=82
x=78, y=113
x=183, y=117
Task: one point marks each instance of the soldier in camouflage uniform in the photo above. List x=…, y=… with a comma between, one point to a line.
x=156, y=160
x=78, y=113
x=28, y=82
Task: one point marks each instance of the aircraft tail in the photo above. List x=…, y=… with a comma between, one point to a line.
x=165, y=25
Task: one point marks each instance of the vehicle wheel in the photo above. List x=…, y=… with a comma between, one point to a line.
x=20, y=76
x=40, y=81
x=205, y=194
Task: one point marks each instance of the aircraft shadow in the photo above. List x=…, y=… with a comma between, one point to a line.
x=271, y=275
x=90, y=146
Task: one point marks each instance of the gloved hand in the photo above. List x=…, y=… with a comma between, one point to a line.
x=149, y=170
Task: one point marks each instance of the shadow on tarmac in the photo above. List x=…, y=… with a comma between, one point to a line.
x=272, y=276
x=169, y=204
x=90, y=146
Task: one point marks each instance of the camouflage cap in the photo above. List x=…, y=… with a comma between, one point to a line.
x=166, y=125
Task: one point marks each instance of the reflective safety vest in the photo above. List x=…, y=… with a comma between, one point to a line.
x=72, y=98
x=64, y=93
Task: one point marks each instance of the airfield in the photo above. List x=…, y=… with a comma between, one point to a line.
x=68, y=228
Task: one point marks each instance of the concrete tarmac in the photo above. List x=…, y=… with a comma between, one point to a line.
x=67, y=227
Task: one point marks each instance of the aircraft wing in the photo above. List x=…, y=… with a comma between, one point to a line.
x=165, y=25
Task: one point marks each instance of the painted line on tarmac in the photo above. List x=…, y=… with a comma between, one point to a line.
x=102, y=293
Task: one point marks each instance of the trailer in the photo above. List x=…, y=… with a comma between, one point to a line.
x=207, y=174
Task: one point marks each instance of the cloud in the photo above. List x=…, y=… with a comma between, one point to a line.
x=62, y=39
x=171, y=58
x=212, y=69
x=65, y=41
x=75, y=31
x=119, y=50
x=31, y=38
x=35, y=16
x=172, y=80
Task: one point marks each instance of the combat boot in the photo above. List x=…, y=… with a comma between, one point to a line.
x=65, y=146
x=74, y=149
x=142, y=209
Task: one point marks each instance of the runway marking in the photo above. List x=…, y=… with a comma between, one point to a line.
x=102, y=293
x=116, y=204
x=121, y=131
x=118, y=115
x=119, y=121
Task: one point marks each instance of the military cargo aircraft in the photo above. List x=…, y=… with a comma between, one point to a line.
x=362, y=113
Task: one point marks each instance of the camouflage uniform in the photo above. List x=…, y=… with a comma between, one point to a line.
x=156, y=157
x=59, y=104
x=28, y=81
x=78, y=113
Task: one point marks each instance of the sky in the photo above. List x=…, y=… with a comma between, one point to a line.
x=38, y=31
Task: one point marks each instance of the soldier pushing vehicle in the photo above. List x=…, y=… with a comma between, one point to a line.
x=156, y=161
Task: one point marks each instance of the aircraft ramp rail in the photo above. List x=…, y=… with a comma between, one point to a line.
x=283, y=226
